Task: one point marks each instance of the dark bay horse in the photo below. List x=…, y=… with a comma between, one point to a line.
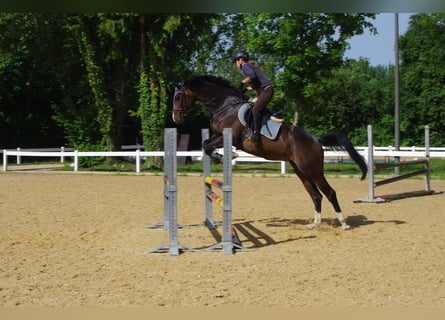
x=301, y=149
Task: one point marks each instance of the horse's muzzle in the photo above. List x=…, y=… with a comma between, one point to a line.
x=178, y=116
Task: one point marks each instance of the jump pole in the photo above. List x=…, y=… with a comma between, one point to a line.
x=372, y=167
x=209, y=222
x=170, y=220
x=229, y=238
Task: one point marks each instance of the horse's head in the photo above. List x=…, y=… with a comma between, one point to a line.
x=213, y=92
x=183, y=100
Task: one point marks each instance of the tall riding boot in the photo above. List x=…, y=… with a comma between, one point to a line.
x=256, y=128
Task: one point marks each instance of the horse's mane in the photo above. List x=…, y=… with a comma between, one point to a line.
x=196, y=81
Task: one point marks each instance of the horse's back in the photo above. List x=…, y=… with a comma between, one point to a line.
x=305, y=143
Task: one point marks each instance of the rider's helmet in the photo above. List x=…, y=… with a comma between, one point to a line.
x=241, y=54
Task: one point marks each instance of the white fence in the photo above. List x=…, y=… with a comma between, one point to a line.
x=138, y=155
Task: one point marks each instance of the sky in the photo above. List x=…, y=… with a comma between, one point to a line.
x=378, y=49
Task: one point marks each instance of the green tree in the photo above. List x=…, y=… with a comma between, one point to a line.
x=301, y=48
x=422, y=50
x=353, y=96
x=29, y=59
x=91, y=75
x=95, y=74
x=106, y=43
x=169, y=46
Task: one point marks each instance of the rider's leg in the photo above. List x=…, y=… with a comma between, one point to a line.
x=264, y=96
x=256, y=127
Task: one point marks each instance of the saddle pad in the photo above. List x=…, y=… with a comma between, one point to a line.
x=270, y=129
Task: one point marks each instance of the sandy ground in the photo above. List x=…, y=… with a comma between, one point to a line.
x=81, y=240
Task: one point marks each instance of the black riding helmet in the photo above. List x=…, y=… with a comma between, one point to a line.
x=240, y=54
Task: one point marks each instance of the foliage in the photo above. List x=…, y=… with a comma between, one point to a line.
x=27, y=43
x=423, y=78
x=161, y=35
x=94, y=81
x=354, y=95
x=301, y=48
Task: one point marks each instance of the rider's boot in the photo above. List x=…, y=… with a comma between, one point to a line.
x=256, y=128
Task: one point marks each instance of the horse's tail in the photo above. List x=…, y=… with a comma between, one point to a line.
x=339, y=141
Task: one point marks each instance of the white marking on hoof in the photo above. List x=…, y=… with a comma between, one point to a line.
x=312, y=226
x=345, y=226
x=342, y=219
x=316, y=223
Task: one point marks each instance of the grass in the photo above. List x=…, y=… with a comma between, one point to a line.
x=437, y=167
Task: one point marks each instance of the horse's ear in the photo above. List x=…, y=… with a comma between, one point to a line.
x=178, y=85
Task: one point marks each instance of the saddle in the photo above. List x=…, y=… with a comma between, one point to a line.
x=269, y=127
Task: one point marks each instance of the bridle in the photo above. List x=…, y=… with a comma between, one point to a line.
x=183, y=110
x=179, y=89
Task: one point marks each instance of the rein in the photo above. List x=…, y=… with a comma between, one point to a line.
x=187, y=111
x=225, y=107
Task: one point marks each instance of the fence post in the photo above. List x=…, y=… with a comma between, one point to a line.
x=170, y=195
x=76, y=161
x=62, y=157
x=370, y=163
x=227, y=193
x=283, y=167
x=19, y=158
x=427, y=158
x=170, y=172
x=5, y=160
x=372, y=167
x=138, y=160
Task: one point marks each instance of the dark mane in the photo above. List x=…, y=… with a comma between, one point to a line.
x=212, y=79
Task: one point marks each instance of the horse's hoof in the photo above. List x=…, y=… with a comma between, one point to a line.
x=346, y=226
x=234, y=155
x=216, y=157
x=312, y=226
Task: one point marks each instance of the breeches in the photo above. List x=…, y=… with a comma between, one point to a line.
x=264, y=96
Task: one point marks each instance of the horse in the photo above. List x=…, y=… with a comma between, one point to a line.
x=301, y=149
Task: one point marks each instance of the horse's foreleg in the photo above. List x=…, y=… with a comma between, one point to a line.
x=210, y=145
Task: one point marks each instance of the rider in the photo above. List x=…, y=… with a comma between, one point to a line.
x=259, y=82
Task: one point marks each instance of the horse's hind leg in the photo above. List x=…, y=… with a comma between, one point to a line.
x=313, y=189
x=330, y=193
x=315, y=195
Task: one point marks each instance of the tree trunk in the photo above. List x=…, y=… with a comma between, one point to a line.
x=298, y=105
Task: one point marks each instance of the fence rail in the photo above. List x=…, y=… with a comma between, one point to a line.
x=138, y=155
